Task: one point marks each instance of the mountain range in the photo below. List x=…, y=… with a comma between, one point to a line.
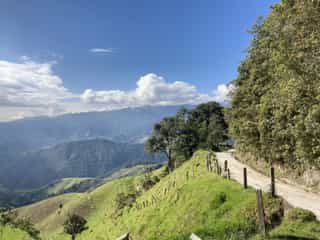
x=36, y=151
x=130, y=125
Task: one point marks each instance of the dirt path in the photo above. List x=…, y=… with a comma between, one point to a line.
x=294, y=195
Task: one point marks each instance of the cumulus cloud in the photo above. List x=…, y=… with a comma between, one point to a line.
x=29, y=88
x=152, y=89
x=222, y=93
x=30, y=84
x=101, y=50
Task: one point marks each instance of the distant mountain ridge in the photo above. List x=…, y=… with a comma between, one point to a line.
x=129, y=125
x=86, y=158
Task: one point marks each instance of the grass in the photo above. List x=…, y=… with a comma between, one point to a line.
x=9, y=233
x=297, y=224
x=202, y=202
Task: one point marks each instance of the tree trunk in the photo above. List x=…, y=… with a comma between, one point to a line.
x=73, y=237
x=170, y=161
x=170, y=164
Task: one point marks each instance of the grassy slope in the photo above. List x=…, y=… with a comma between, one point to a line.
x=206, y=204
x=10, y=233
x=59, y=186
x=64, y=185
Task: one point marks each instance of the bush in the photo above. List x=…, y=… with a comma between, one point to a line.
x=218, y=200
x=301, y=215
x=7, y=216
x=26, y=225
x=148, y=182
x=74, y=225
x=125, y=200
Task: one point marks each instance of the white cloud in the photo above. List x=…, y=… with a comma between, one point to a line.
x=152, y=89
x=101, y=50
x=31, y=85
x=29, y=88
x=222, y=93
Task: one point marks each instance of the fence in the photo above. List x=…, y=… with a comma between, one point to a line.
x=212, y=165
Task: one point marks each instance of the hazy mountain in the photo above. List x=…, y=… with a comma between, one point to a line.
x=87, y=158
x=126, y=125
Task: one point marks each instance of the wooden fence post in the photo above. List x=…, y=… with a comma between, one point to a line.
x=261, y=211
x=226, y=165
x=273, y=187
x=245, y=181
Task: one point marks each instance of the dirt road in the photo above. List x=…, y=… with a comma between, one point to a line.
x=294, y=195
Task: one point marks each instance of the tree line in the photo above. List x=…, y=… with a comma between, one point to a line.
x=275, y=109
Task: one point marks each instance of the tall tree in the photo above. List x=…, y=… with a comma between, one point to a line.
x=74, y=225
x=209, y=122
x=275, y=112
x=164, y=139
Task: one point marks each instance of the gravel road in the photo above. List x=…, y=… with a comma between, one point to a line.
x=294, y=195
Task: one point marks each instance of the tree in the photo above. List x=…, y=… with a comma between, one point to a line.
x=179, y=136
x=209, y=122
x=74, y=225
x=275, y=114
x=163, y=139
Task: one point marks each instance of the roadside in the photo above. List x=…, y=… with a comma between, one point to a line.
x=293, y=194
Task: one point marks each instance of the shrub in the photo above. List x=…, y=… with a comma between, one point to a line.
x=74, y=225
x=26, y=225
x=301, y=215
x=218, y=200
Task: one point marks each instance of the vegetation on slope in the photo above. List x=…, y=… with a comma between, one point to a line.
x=178, y=137
x=86, y=158
x=275, y=112
x=297, y=224
x=11, y=226
x=65, y=185
x=8, y=232
x=190, y=199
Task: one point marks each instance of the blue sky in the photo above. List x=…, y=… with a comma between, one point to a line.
x=199, y=43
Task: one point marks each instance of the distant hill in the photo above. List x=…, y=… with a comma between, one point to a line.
x=130, y=125
x=87, y=158
x=67, y=185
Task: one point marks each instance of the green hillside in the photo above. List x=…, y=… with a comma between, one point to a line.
x=207, y=204
x=65, y=185
x=85, y=159
x=8, y=233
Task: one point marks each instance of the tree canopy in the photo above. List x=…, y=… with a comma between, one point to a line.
x=74, y=225
x=275, y=113
x=179, y=136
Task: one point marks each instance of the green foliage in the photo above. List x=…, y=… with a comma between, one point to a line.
x=74, y=225
x=149, y=181
x=204, y=203
x=218, y=200
x=180, y=136
x=26, y=225
x=8, y=232
x=275, y=112
x=9, y=217
x=125, y=200
x=301, y=215
x=297, y=224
